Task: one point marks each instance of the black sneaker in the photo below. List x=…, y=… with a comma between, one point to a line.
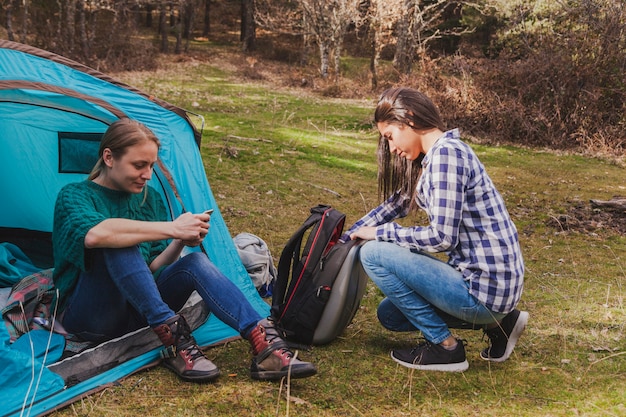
x=502, y=339
x=428, y=356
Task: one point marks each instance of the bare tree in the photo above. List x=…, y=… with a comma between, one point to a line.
x=149, y=8
x=411, y=25
x=328, y=21
x=177, y=21
x=416, y=28
x=206, y=23
x=383, y=15
x=8, y=8
x=66, y=30
x=248, y=26
x=24, y=30
x=163, y=26
x=324, y=22
x=282, y=17
x=189, y=14
x=82, y=28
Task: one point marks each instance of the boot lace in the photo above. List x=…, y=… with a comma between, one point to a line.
x=272, y=334
x=194, y=352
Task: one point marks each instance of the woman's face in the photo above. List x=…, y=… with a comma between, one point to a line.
x=131, y=172
x=403, y=140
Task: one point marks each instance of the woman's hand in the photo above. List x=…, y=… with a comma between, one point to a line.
x=191, y=228
x=365, y=233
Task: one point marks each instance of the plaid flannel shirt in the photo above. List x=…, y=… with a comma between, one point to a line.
x=468, y=221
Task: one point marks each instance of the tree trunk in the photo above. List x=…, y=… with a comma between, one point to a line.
x=149, y=8
x=248, y=26
x=163, y=27
x=70, y=30
x=206, y=27
x=9, y=21
x=374, y=63
x=404, y=51
x=178, y=30
x=188, y=17
x=306, y=42
x=82, y=27
x=24, y=31
x=325, y=59
x=337, y=53
x=616, y=203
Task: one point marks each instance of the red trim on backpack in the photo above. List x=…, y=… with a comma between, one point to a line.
x=319, y=229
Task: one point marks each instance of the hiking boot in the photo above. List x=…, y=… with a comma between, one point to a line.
x=428, y=356
x=181, y=354
x=272, y=358
x=504, y=336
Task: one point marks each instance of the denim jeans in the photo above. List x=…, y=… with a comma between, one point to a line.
x=119, y=294
x=423, y=292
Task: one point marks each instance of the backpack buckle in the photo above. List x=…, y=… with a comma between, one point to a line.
x=323, y=292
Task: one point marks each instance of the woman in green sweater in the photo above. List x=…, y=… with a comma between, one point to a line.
x=118, y=265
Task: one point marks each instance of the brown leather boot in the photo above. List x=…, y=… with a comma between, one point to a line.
x=181, y=354
x=272, y=357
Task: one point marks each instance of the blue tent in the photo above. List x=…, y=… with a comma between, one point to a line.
x=52, y=114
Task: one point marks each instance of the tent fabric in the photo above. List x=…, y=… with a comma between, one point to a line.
x=43, y=99
x=14, y=264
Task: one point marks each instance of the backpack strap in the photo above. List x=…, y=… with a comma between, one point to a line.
x=290, y=255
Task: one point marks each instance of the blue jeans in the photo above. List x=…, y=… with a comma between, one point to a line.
x=119, y=294
x=423, y=292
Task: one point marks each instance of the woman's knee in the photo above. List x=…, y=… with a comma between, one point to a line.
x=369, y=253
x=130, y=259
x=391, y=318
x=199, y=268
x=385, y=313
x=367, y=250
x=194, y=258
x=196, y=262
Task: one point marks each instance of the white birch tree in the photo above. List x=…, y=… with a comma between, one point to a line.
x=411, y=25
x=324, y=22
x=328, y=22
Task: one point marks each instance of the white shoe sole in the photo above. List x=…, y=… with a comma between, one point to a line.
x=447, y=367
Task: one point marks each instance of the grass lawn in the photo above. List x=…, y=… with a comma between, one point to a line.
x=272, y=153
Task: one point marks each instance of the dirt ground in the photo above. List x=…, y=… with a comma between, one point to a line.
x=584, y=217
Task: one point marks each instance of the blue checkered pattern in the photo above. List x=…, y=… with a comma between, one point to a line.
x=468, y=221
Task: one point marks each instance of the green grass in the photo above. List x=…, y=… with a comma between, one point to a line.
x=272, y=153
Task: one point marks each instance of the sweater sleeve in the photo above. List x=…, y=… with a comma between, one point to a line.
x=74, y=215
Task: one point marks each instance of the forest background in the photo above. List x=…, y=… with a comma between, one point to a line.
x=538, y=73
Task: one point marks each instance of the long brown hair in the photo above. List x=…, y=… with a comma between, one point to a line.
x=121, y=135
x=402, y=106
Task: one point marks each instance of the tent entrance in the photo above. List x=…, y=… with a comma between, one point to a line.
x=36, y=245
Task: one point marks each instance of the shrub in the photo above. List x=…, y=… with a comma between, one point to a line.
x=566, y=70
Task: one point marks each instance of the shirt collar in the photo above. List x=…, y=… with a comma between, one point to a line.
x=449, y=134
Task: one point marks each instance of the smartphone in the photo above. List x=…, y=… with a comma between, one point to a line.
x=209, y=211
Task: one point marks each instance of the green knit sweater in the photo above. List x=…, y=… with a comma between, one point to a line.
x=81, y=206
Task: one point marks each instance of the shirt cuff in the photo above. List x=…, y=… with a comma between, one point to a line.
x=386, y=232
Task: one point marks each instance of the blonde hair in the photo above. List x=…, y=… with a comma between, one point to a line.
x=121, y=135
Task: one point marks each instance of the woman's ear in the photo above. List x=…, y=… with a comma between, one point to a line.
x=107, y=157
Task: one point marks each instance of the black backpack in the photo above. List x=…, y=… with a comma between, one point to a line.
x=319, y=286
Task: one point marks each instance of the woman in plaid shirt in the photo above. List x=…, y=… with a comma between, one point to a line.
x=421, y=165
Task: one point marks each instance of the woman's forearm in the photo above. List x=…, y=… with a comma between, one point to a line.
x=122, y=233
x=169, y=255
